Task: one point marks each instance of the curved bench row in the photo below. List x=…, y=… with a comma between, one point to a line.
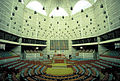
x=37, y=72
x=33, y=72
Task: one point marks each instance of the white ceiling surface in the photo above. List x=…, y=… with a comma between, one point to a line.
x=50, y=6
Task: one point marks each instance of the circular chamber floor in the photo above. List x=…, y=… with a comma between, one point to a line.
x=59, y=69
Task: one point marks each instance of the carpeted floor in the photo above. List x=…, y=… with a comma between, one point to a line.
x=63, y=71
x=59, y=69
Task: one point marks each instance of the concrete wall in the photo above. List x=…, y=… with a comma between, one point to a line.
x=94, y=21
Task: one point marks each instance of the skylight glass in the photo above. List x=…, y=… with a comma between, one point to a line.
x=36, y=6
x=82, y=4
x=22, y=1
x=95, y=1
x=59, y=12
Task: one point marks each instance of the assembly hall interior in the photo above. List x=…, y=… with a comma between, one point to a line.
x=59, y=40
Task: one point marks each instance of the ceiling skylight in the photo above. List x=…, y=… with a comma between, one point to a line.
x=95, y=1
x=58, y=12
x=82, y=4
x=22, y=1
x=36, y=6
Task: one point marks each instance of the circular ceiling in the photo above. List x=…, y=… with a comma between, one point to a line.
x=58, y=7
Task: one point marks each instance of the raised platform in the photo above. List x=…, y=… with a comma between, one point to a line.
x=59, y=61
x=59, y=65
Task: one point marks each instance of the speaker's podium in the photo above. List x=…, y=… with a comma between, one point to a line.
x=59, y=58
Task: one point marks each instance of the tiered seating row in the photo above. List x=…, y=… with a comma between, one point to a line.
x=76, y=76
x=32, y=51
x=34, y=71
x=87, y=51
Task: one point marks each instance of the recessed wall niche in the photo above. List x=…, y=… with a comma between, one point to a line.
x=19, y=0
x=29, y=17
x=35, y=12
x=101, y=6
x=77, y=21
x=43, y=8
x=7, y=24
x=63, y=17
x=90, y=19
x=82, y=10
x=44, y=19
x=106, y=16
x=57, y=8
x=16, y=8
x=51, y=16
x=13, y=14
x=57, y=22
x=72, y=18
x=25, y=20
x=86, y=15
x=11, y=18
x=104, y=12
x=71, y=8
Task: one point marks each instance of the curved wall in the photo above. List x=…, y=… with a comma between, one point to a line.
x=96, y=20
x=102, y=17
x=11, y=16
